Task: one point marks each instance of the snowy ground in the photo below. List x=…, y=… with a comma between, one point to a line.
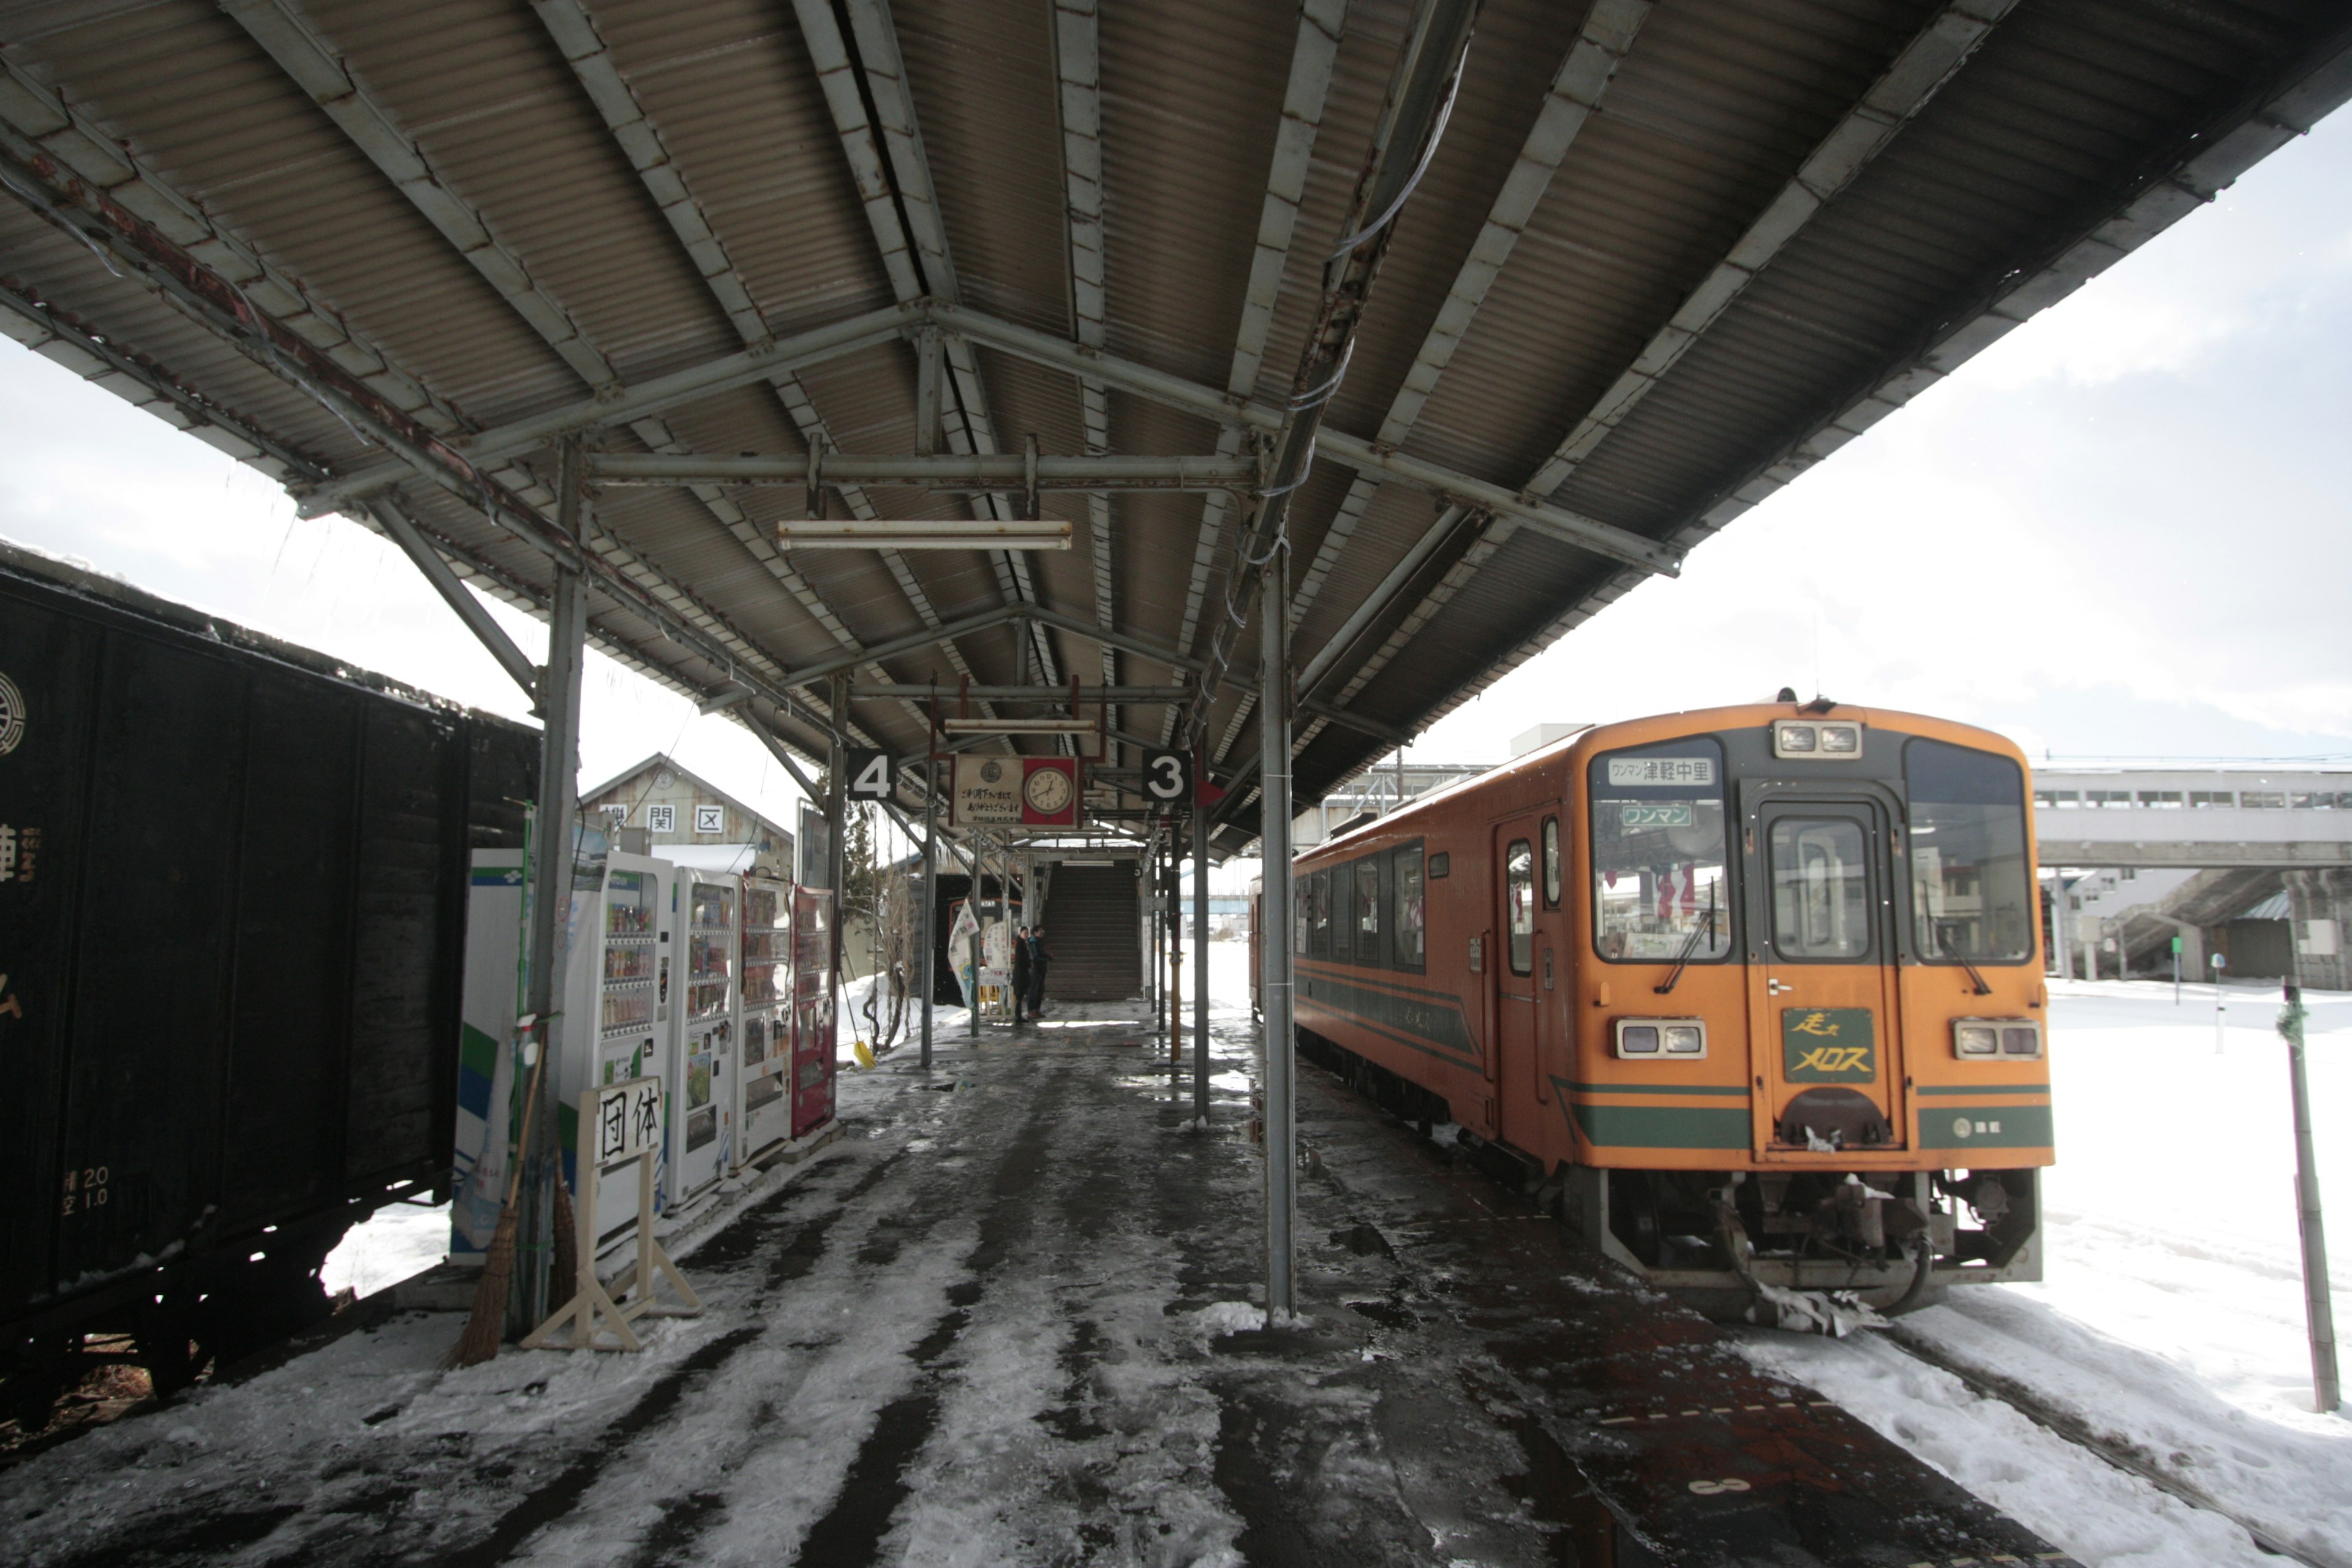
x=2171, y=1317
x=988, y=1327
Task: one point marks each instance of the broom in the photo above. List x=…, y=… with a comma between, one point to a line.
x=488, y=1326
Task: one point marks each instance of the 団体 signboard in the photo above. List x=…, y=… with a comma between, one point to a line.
x=627, y=1120
x=1017, y=792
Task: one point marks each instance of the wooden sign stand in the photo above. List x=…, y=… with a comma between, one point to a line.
x=619, y=1123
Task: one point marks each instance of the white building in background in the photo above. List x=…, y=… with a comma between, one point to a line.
x=688, y=820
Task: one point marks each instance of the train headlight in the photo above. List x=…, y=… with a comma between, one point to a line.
x=1685, y=1037
x=1988, y=1039
x=1840, y=740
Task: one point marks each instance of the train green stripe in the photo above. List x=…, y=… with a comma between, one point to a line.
x=2004, y=1125
x=1435, y=1026
x=1980, y=1088
x=1661, y=1126
x=1730, y=1091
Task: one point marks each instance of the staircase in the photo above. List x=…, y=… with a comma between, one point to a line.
x=1091, y=928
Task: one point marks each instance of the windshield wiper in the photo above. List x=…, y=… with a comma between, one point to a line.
x=1944, y=944
x=1690, y=945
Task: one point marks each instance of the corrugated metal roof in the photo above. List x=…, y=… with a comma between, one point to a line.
x=659, y=182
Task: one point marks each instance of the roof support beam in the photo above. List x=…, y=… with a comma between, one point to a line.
x=761, y=363
x=929, y=636
x=1413, y=116
x=231, y=314
x=1930, y=60
x=487, y=631
x=1586, y=533
x=307, y=59
x=1011, y=472
x=1063, y=695
x=893, y=175
x=1314, y=53
x=301, y=54
x=1078, y=69
x=640, y=140
x=1577, y=87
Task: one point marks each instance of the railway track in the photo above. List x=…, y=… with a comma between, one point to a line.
x=2123, y=1455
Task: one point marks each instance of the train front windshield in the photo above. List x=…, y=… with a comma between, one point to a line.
x=1658, y=887
x=1973, y=898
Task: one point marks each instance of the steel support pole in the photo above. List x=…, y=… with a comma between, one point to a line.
x=930, y=895
x=2318, y=1307
x=550, y=900
x=1175, y=923
x=1276, y=972
x=1199, y=963
x=836, y=852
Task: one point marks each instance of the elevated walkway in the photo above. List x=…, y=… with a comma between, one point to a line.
x=2207, y=818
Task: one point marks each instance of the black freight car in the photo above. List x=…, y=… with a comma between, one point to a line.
x=232, y=930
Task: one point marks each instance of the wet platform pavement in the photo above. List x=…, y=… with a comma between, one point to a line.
x=1006, y=1321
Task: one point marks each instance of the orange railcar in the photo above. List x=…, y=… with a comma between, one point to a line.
x=1754, y=993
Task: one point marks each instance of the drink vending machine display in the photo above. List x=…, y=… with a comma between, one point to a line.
x=813, y=1020
x=763, y=1108
x=620, y=974
x=702, y=1107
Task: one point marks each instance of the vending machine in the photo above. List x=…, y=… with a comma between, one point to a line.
x=488, y=1065
x=702, y=1109
x=763, y=1103
x=621, y=973
x=812, y=1020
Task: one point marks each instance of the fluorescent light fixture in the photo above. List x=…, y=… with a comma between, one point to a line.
x=949, y=534
x=1017, y=726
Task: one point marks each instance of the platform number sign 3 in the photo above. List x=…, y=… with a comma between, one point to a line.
x=1167, y=778
x=870, y=773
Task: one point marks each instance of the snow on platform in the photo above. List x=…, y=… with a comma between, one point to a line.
x=1012, y=1319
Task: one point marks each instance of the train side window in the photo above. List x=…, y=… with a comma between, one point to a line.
x=1439, y=864
x=1519, y=896
x=1410, y=921
x=1552, y=862
x=1318, y=905
x=1343, y=902
x=1302, y=891
x=1366, y=911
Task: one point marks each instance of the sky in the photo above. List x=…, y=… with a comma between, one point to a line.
x=2122, y=531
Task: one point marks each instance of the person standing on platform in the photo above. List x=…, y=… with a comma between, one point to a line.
x=1022, y=957
x=1040, y=955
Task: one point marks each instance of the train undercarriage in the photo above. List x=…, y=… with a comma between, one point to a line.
x=1734, y=1244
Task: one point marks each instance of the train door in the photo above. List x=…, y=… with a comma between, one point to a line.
x=1518, y=987
x=1824, y=1024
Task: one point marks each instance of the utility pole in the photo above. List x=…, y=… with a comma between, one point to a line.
x=2319, y=1310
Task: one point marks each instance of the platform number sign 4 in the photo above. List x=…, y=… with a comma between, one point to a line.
x=870, y=773
x=1167, y=778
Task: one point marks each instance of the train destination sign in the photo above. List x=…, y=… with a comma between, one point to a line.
x=1654, y=814
x=1661, y=770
